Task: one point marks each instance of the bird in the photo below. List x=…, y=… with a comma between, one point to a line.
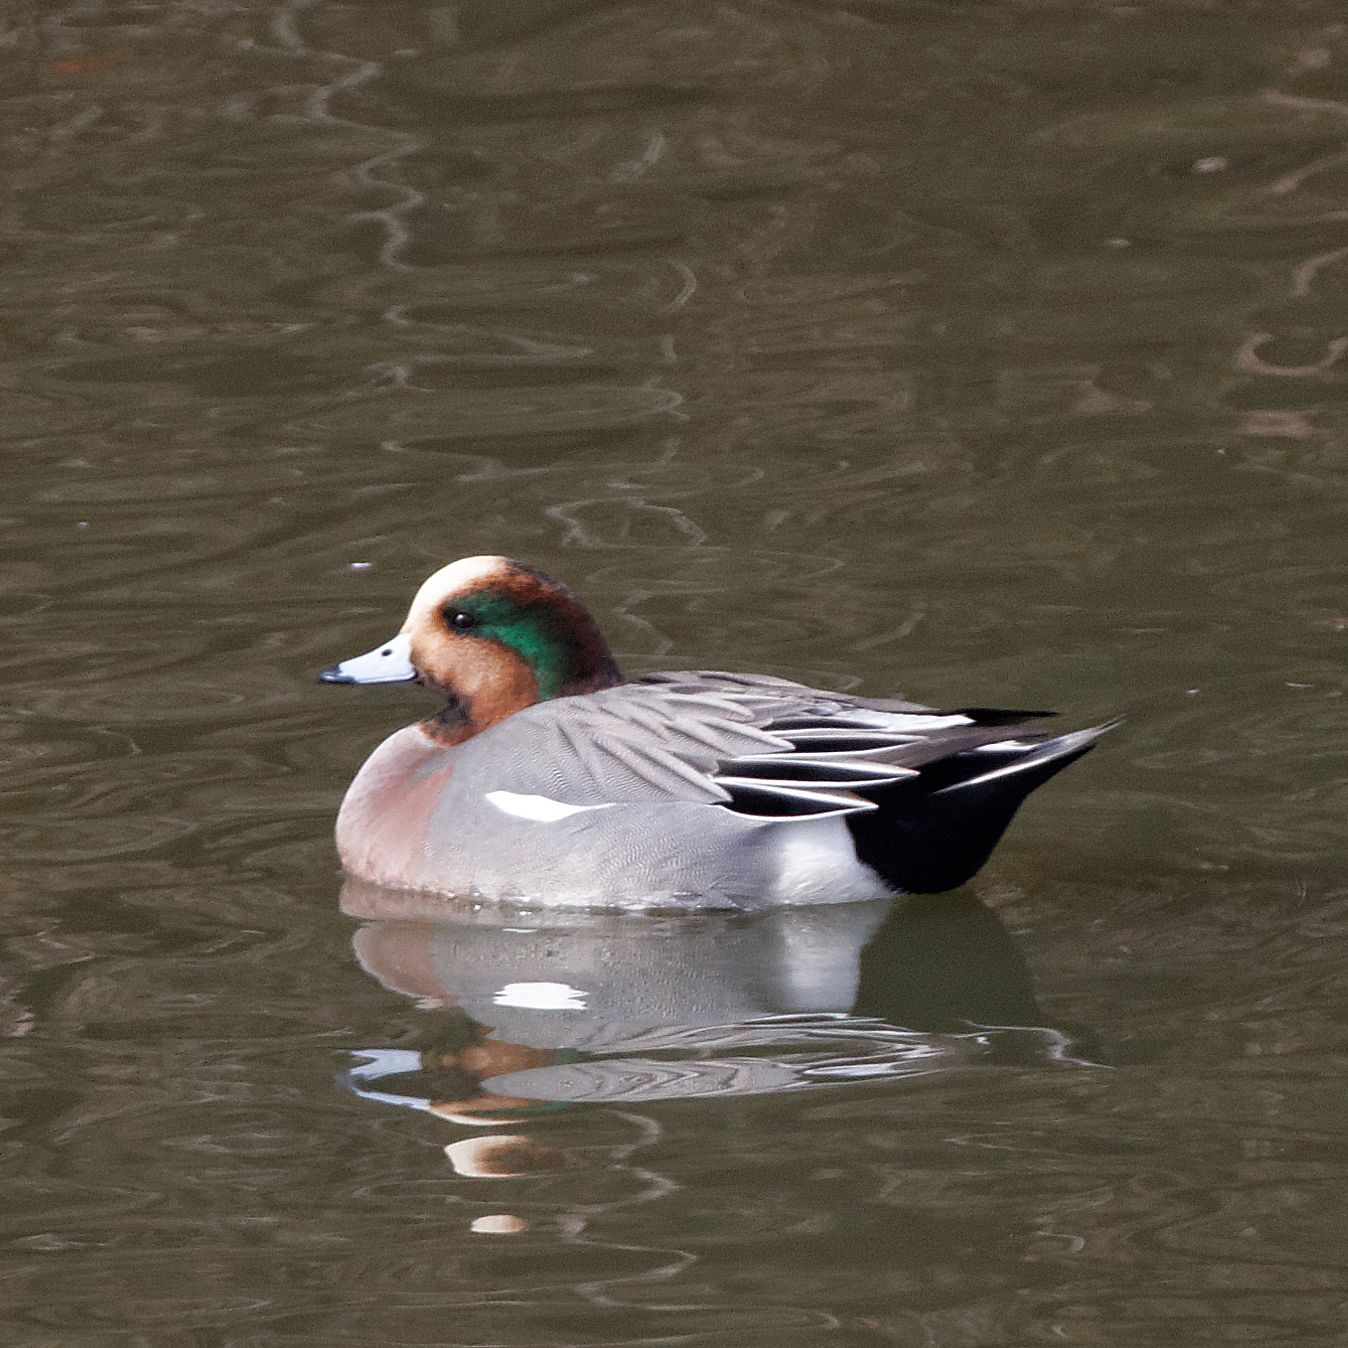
x=547, y=779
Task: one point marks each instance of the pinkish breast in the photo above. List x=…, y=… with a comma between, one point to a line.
x=385, y=817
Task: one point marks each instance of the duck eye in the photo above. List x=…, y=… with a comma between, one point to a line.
x=459, y=620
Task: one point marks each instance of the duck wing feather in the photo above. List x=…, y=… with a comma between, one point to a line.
x=764, y=747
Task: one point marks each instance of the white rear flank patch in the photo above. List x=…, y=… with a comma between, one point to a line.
x=537, y=809
x=817, y=862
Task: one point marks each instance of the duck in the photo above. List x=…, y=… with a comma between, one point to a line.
x=547, y=779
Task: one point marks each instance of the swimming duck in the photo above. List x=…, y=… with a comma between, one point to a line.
x=546, y=778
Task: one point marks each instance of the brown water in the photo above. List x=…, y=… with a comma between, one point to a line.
x=994, y=353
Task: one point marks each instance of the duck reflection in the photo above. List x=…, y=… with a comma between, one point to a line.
x=533, y=1011
x=945, y=963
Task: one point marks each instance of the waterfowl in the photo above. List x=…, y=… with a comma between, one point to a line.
x=546, y=778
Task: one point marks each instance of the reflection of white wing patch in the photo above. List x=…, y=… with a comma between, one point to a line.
x=541, y=997
x=539, y=809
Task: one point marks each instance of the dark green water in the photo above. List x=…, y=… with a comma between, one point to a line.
x=992, y=353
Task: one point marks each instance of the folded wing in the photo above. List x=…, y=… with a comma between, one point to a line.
x=764, y=748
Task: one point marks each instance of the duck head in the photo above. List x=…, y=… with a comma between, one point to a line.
x=491, y=635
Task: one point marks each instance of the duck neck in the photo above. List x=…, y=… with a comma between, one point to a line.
x=452, y=724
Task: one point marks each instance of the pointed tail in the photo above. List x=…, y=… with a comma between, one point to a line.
x=935, y=830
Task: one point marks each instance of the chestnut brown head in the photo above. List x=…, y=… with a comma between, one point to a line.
x=492, y=635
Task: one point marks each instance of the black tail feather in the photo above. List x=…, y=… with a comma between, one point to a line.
x=934, y=831
x=1000, y=716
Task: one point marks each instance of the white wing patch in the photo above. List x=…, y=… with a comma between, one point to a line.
x=537, y=809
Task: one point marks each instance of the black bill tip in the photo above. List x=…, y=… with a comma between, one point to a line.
x=333, y=674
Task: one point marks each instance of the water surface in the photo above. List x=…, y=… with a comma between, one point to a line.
x=991, y=354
